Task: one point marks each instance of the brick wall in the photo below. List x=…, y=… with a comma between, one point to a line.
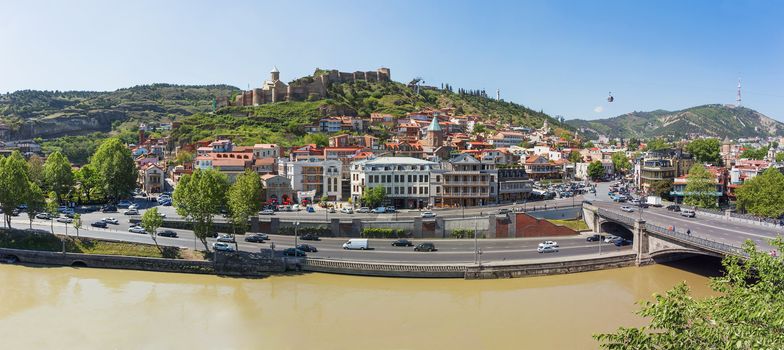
x=529, y=226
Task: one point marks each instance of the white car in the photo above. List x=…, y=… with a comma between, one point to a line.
x=221, y=246
x=363, y=210
x=64, y=219
x=296, y=207
x=133, y=206
x=112, y=221
x=428, y=214
x=610, y=239
x=131, y=212
x=627, y=209
x=136, y=229
x=547, y=249
x=552, y=244
x=267, y=212
x=162, y=215
x=347, y=210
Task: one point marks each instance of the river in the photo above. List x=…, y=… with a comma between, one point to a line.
x=69, y=308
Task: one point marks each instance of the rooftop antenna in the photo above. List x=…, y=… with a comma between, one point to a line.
x=498, y=94
x=737, y=99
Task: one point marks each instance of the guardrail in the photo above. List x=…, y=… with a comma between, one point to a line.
x=697, y=241
x=620, y=218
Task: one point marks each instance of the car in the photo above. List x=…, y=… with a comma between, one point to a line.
x=627, y=209
x=294, y=252
x=425, y=247
x=402, y=243
x=379, y=210
x=674, y=207
x=256, y=238
x=296, y=207
x=109, y=209
x=310, y=209
x=363, y=210
x=111, y=220
x=390, y=209
x=547, y=249
x=427, y=214
x=226, y=238
x=347, y=210
x=101, y=224
x=167, y=233
x=222, y=247
x=610, y=239
x=643, y=205
x=136, y=229
x=21, y=207
x=131, y=212
x=43, y=216
x=307, y=248
x=357, y=243
x=309, y=237
x=166, y=203
x=331, y=210
x=549, y=244
x=124, y=204
x=688, y=213
x=622, y=242
x=503, y=211
x=62, y=209
x=65, y=220
x=133, y=206
x=267, y=212
x=595, y=238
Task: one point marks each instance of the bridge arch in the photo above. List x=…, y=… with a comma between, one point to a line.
x=78, y=263
x=616, y=229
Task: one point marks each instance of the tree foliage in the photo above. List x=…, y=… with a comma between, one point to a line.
x=575, y=157
x=705, y=150
x=115, y=169
x=35, y=169
x=14, y=184
x=700, y=187
x=373, y=196
x=620, y=162
x=754, y=153
x=52, y=204
x=657, y=144
x=319, y=139
x=244, y=200
x=660, y=188
x=200, y=196
x=595, y=170
x=58, y=176
x=744, y=314
x=151, y=221
x=763, y=195
x=35, y=200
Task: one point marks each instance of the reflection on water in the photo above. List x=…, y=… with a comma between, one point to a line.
x=92, y=308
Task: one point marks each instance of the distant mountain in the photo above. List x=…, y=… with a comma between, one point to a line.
x=32, y=113
x=709, y=120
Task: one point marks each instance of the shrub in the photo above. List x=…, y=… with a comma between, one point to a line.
x=371, y=232
x=462, y=233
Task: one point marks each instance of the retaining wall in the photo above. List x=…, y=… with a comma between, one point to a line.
x=550, y=268
x=384, y=269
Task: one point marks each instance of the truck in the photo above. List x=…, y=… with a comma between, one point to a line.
x=356, y=243
x=654, y=201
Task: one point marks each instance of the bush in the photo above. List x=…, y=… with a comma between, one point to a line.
x=383, y=233
x=318, y=231
x=462, y=233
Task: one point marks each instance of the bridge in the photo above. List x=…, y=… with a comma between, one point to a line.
x=665, y=237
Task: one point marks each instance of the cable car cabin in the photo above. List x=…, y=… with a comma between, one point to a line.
x=610, y=98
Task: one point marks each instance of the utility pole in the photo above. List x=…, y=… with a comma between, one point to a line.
x=296, y=228
x=476, y=245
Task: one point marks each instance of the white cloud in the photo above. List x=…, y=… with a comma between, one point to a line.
x=598, y=109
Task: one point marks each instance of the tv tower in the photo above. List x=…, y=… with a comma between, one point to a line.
x=737, y=99
x=498, y=94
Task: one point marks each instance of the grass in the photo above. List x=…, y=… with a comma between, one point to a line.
x=45, y=241
x=577, y=225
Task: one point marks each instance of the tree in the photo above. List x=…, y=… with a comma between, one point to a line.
x=744, y=313
x=36, y=202
x=620, y=162
x=13, y=184
x=244, y=200
x=595, y=170
x=656, y=145
x=754, y=153
x=374, y=196
x=588, y=144
x=52, y=205
x=706, y=150
x=184, y=157
x=479, y=128
x=633, y=144
x=575, y=157
x=319, y=139
x=87, y=179
x=35, y=169
x=198, y=197
x=115, y=169
x=763, y=195
x=151, y=221
x=58, y=176
x=77, y=223
x=779, y=157
x=700, y=187
x=660, y=188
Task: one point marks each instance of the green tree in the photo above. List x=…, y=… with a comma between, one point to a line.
x=575, y=157
x=657, y=144
x=763, y=195
x=620, y=162
x=200, y=196
x=35, y=169
x=706, y=150
x=595, y=170
x=589, y=144
x=660, y=188
x=14, y=184
x=87, y=180
x=77, y=223
x=184, y=157
x=633, y=144
x=744, y=313
x=36, y=202
x=754, y=153
x=151, y=221
x=115, y=169
x=58, y=175
x=319, y=139
x=52, y=204
x=244, y=200
x=700, y=187
x=373, y=196
x=479, y=128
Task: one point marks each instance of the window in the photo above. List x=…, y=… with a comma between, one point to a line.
x=389, y=178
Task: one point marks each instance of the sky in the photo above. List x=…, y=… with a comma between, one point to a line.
x=562, y=57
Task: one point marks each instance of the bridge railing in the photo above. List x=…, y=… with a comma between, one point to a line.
x=613, y=216
x=697, y=241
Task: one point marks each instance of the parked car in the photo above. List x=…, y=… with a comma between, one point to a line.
x=390, y=209
x=123, y=204
x=643, y=205
x=379, y=210
x=688, y=213
x=553, y=244
x=425, y=247
x=307, y=248
x=109, y=209
x=622, y=242
x=610, y=239
x=43, y=216
x=294, y=252
x=65, y=220
x=167, y=233
x=428, y=214
x=347, y=210
x=101, y=224
x=226, y=238
x=256, y=238
x=674, y=207
x=296, y=207
x=267, y=212
x=310, y=209
x=547, y=249
x=627, y=209
x=166, y=203
x=136, y=229
x=594, y=238
x=402, y=243
x=133, y=206
x=131, y=212
x=363, y=210
x=111, y=220
x=162, y=215
x=309, y=237
x=331, y=210
x=503, y=211
x=222, y=247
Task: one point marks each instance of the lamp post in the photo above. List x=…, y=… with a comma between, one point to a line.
x=476, y=245
x=296, y=232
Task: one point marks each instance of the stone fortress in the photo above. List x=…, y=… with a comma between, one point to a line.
x=307, y=88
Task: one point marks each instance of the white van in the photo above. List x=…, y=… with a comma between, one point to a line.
x=356, y=243
x=688, y=213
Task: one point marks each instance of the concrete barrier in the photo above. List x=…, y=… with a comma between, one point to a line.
x=549, y=268
x=384, y=269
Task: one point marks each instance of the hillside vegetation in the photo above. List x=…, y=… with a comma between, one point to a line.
x=708, y=120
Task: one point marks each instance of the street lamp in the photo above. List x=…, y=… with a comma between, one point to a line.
x=296, y=232
x=476, y=245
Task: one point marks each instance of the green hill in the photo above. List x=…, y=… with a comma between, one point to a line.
x=708, y=120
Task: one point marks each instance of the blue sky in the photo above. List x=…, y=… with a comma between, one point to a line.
x=562, y=57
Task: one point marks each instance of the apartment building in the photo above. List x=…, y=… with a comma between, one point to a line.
x=406, y=180
x=468, y=182
x=314, y=174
